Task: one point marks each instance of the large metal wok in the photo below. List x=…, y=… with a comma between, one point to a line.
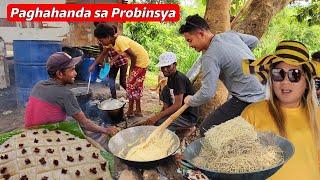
x=266, y=138
x=127, y=138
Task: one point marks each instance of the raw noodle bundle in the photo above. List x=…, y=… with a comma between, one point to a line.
x=234, y=147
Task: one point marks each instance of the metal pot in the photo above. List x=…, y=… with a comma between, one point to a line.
x=82, y=95
x=120, y=142
x=112, y=114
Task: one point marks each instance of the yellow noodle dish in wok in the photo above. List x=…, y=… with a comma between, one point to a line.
x=158, y=146
x=129, y=144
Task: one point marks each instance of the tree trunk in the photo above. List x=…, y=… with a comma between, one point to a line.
x=255, y=18
x=218, y=17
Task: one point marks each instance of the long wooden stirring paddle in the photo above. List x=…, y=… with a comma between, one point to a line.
x=159, y=130
x=171, y=118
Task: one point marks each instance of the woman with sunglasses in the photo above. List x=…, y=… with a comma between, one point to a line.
x=291, y=110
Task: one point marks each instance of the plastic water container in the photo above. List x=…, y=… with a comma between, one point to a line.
x=30, y=58
x=85, y=70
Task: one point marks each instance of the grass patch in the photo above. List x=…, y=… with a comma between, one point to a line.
x=151, y=80
x=154, y=109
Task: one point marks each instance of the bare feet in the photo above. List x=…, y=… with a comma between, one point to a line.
x=130, y=114
x=138, y=114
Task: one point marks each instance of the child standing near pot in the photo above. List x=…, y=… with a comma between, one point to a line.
x=117, y=62
x=139, y=62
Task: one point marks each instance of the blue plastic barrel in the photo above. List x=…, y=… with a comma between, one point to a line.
x=30, y=58
x=85, y=70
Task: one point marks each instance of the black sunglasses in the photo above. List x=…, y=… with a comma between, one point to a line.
x=294, y=75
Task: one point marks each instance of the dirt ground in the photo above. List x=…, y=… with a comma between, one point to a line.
x=11, y=116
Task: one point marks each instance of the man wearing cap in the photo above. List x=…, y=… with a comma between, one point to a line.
x=178, y=87
x=221, y=59
x=51, y=101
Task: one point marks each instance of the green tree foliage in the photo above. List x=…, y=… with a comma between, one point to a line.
x=236, y=6
x=284, y=26
x=160, y=37
x=310, y=14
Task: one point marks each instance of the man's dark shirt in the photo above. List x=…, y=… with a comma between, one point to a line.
x=180, y=84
